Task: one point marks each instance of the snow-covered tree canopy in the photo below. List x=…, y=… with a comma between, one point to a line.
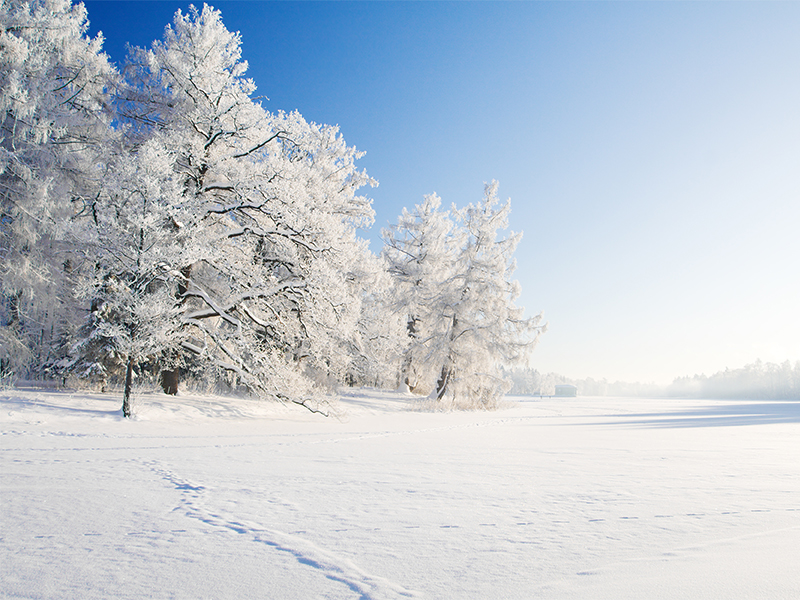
x=181, y=229
x=452, y=282
x=54, y=123
x=246, y=219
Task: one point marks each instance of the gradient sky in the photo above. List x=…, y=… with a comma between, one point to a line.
x=651, y=152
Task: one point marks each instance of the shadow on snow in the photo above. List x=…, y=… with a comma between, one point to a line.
x=724, y=415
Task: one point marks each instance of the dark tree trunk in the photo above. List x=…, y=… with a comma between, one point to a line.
x=406, y=373
x=448, y=366
x=126, y=395
x=169, y=378
x=13, y=308
x=444, y=380
x=169, y=381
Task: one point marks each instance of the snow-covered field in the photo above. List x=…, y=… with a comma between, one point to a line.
x=586, y=498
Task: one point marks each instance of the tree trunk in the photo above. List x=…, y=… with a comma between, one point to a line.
x=444, y=380
x=406, y=374
x=13, y=306
x=169, y=381
x=126, y=395
x=169, y=378
x=448, y=366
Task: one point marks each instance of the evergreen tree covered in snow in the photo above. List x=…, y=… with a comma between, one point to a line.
x=453, y=284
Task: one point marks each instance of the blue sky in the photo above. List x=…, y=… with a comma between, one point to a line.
x=650, y=151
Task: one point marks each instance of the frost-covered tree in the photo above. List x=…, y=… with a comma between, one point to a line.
x=201, y=233
x=454, y=285
x=487, y=330
x=130, y=237
x=421, y=251
x=54, y=116
x=251, y=221
x=380, y=335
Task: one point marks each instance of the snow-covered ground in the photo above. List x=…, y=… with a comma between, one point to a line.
x=203, y=497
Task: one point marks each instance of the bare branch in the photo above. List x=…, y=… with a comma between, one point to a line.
x=279, y=135
x=311, y=408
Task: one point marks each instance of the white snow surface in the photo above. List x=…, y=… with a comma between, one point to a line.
x=211, y=497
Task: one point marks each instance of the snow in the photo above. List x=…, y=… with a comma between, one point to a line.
x=211, y=497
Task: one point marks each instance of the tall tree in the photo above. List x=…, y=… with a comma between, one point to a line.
x=421, y=252
x=453, y=283
x=131, y=239
x=486, y=330
x=54, y=120
x=251, y=222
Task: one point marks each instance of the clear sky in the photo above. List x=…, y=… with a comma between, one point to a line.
x=651, y=152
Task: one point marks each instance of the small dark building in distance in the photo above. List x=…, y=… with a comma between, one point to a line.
x=566, y=390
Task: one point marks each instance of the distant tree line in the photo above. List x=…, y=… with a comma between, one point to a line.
x=757, y=380
x=158, y=224
x=530, y=382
